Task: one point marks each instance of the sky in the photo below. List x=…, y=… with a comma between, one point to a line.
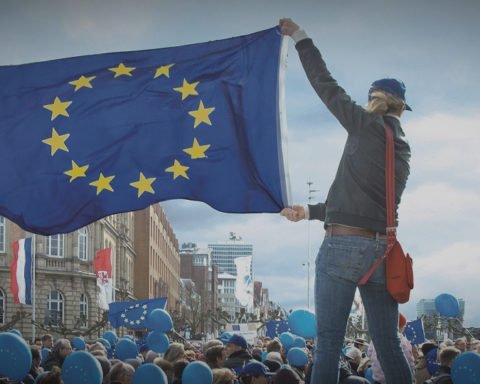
x=432, y=45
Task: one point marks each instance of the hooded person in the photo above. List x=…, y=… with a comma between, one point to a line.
x=236, y=352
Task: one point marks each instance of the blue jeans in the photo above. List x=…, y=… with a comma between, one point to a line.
x=341, y=263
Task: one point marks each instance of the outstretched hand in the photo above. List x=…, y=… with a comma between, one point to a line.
x=287, y=26
x=295, y=213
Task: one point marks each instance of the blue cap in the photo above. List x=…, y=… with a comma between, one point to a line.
x=393, y=86
x=238, y=340
x=255, y=369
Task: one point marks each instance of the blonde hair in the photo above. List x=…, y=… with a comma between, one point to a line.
x=175, y=351
x=383, y=102
x=222, y=376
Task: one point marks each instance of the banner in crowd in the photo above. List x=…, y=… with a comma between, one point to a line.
x=276, y=327
x=133, y=314
x=21, y=271
x=102, y=265
x=95, y=135
x=244, y=282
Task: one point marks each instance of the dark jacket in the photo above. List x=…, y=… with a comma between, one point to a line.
x=53, y=359
x=441, y=377
x=237, y=359
x=357, y=194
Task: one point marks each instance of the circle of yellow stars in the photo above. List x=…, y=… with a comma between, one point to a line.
x=57, y=142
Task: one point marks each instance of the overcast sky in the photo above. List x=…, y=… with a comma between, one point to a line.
x=432, y=45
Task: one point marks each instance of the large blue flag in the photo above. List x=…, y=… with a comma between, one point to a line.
x=276, y=327
x=85, y=137
x=133, y=314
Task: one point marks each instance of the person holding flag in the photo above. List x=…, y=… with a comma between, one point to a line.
x=355, y=217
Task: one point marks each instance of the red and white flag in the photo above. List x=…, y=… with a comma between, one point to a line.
x=103, y=269
x=21, y=271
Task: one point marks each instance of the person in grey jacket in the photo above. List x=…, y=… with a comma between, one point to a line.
x=355, y=217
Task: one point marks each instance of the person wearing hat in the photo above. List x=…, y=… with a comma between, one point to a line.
x=254, y=373
x=236, y=352
x=355, y=216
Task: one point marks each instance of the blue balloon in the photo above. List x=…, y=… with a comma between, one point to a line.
x=447, y=305
x=15, y=331
x=111, y=337
x=105, y=343
x=264, y=356
x=81, y=367
x=15, y=356
x=159, y=320
x=157, y=341
x=297, y=357
x=125, y=349
x=303, y=323
x=299, y=342
x=149, y=374
x=369, y=374
x=466, y=368
x=287, y=340
x=44, y=353
x=197, y=372
x=78, y=344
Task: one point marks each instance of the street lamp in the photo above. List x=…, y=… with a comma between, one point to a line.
x=310, y=197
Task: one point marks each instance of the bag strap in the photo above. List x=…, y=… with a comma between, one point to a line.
x=391, y=230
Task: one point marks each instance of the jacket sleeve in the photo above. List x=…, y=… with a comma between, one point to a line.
x=317, y=211
x=347, y=112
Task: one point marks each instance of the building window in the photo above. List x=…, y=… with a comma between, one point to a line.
x=55, y=246
x=83, y=244
x=83, y=311
x=2, y=234
x=55, y=308
x=2, y=307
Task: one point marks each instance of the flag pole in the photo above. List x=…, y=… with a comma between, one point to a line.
x=33, y=287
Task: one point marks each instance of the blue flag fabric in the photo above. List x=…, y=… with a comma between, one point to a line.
x=276, y=327
x=133, y=314
x=414, y=332
x=90, y=136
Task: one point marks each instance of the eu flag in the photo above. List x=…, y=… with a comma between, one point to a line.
x=276, y=327
x=414, y=332
x=133, y=314
x=90, y=136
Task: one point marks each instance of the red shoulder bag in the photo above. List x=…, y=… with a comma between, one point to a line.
x=398, y=265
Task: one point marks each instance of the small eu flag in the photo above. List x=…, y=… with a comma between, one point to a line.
x=90, y=136
x=133, y=314
x=414, y=332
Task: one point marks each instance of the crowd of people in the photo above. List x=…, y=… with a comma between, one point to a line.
x=232, y=360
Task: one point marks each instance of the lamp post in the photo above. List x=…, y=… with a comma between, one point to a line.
x=310, y=197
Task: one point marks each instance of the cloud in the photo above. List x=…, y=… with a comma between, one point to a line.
x=454, y=269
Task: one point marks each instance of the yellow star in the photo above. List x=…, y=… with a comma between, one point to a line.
x=122, y=70
x=58, y=107
x=76, y=171
x=81, y=82
x=56, y=142
x=197, y=151
x=178, y=170
x=103, y=183
x=201, y=115
x=143, y=184
x=163, y=70
x=187, y=89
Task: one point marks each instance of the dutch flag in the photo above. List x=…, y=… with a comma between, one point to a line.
x=21, y=271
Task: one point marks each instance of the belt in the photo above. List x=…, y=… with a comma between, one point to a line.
x=340, y=230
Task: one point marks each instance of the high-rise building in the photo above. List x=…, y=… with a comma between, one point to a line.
x=224, y=253
x=157, y=268
x=426, y=307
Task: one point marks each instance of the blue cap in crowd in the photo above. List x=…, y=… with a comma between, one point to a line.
x=238, y=340
x=255, y=369
x=393, y=86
